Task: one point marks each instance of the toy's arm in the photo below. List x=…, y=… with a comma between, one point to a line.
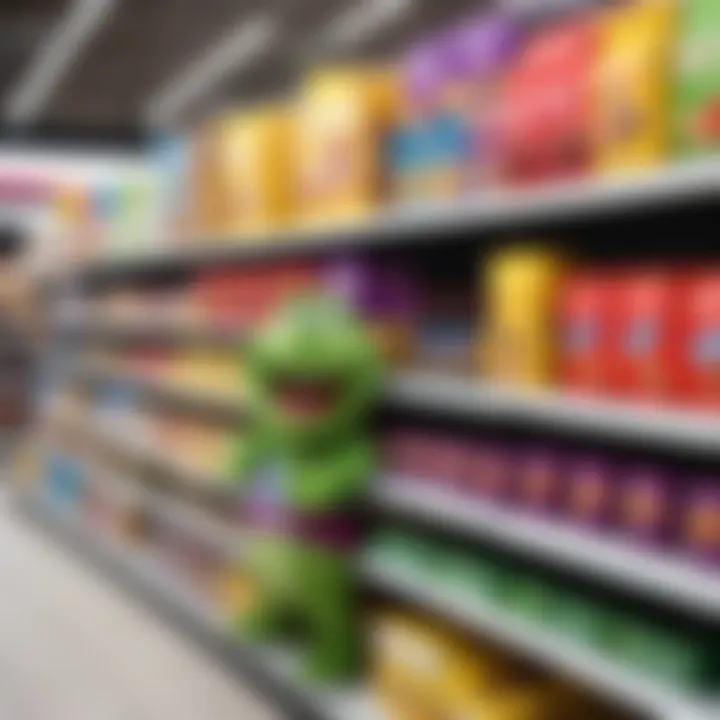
x=339, y=479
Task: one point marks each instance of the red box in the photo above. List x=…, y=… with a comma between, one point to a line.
x=697, y=356
x=546, y=105
x=645, y=329
x=584, y=314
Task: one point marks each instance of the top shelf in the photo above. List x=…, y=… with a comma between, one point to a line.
x=410, y=224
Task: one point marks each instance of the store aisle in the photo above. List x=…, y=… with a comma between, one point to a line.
x=72, y=647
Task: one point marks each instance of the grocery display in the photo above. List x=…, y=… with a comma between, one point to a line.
x=642, y=503
x=279, y=421
x=671, y=655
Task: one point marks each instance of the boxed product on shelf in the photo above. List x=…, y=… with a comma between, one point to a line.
x=646, y=501
x=519, y=344
x=700, y=531
x=385, y=296
x=240, y=299
x=234, y=591
x=445, y=325
x=667, y=651
x=698, y=350
x=539, y=485
x=584, y=332
x=697, y=78
x=207, y=203
x=345, y=116
x=170, y=161
x=477, y=53
x=645, y=331
x=258, y=169
x=634, y=84
x=410, y=156
x=643, y=503
x=423, y=670
x=547, y=103
x=489, y=471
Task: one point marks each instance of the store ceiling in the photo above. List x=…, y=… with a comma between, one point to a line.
x=142, y=45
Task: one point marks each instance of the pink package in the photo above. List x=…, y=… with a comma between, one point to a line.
x=538, y=480
x=701, y=521
x=489, y=472
x=590, y=491
x=647, y=504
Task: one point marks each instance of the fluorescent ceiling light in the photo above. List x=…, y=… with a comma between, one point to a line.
x=363, y=20
x=55, y=58
x=239, y=47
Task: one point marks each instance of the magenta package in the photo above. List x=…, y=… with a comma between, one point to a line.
x=538, y=480
x=590, y=493
x=647, y=504
x=701, y=521
x=489, y=472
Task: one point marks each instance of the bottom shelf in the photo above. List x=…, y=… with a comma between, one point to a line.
x=629, y=689
x=272, y=671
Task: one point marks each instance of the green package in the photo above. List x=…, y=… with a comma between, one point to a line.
x=697, y=78
x=578, y=618
x=471, y=575
x=670, y=656
x=686, y=661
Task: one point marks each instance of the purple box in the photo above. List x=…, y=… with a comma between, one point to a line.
x=477, y=52
x=646, y=500
x=700, y=533
x=538, y=480
x=489, y=472
x=376, y=289
x=590, y=493
x=422, y=74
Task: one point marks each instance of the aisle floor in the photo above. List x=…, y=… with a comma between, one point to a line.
x=74, y=647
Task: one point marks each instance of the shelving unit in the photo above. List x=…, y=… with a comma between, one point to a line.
x=628, y=688
x=673, y=581
x=659, y=187
x=651, y=573
x=473, y=399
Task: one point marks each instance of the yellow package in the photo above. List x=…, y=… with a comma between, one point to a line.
x=518, y=344
x=423, y=671
x=344, y=117
x=634, y=59
x=208, y=208
x=257, y=169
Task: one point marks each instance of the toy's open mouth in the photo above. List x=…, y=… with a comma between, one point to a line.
x=306, y=398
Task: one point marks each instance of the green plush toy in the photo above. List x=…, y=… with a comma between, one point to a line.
x=301, y=468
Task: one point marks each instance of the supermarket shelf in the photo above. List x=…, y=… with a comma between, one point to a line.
x=567, y=200
x=663, y=577
x=621, y=684
x=272, y=671
x=429, y=392
x=224, y=406
x=607, y=419
x=142, y=333
x=210, y=528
